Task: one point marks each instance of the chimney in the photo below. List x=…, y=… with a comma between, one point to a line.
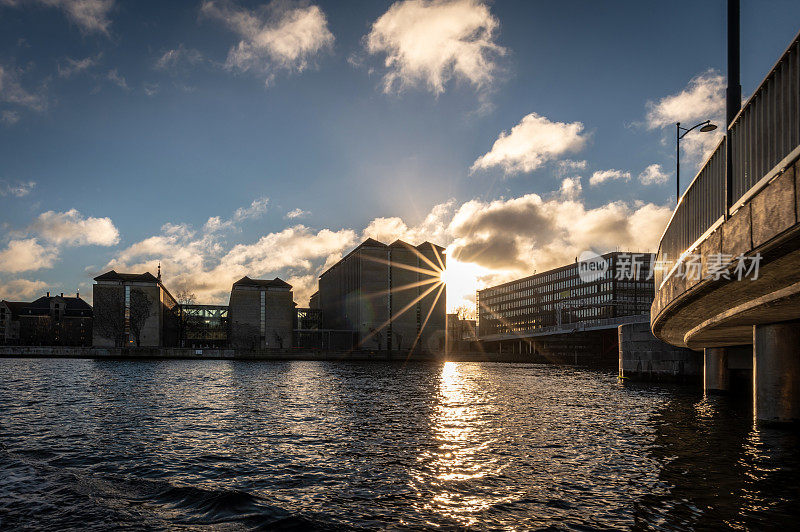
x=78, y=294
x=62, y=294
x=48, y=294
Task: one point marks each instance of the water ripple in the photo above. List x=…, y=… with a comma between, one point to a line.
x=98, y=445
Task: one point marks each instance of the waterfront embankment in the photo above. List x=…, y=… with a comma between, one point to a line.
x=170, y=353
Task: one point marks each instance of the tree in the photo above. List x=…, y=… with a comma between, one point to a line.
x=188, y=326
x=244, y=335
x=185, y=297
x=109, y=313
x=465, y=312
x=139, y=312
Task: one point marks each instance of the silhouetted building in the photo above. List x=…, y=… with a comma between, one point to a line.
x=9, y=321
x=261, y=314
x=49, y=320
x=390, y=296
x=134, y=309
x=559, y=297
x=204, y=326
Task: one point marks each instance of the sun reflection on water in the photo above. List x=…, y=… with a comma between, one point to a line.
x=461, y=467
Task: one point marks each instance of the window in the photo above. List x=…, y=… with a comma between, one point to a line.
x=263, y=315
x=128, y=337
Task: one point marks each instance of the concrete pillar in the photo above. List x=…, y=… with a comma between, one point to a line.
x=776, y=371
x=716, y=378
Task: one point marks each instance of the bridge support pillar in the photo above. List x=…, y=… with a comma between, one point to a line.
x=776, y=371
x=716, y=378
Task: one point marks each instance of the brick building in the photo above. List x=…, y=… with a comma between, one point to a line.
x=261, y=314
x=134, y=309
x=49, y=320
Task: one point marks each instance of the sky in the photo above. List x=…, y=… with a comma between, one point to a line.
x=229, y=138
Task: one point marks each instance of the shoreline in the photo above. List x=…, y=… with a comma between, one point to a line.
x=154, y=353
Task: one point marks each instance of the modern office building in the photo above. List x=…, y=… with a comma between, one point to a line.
x=261, y=314
x=47, y=321
x=561, y=296
x=204, y=326
x=390, y=296
x=568, y=314
x=134, y=309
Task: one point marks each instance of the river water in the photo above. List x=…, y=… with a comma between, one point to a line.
x=316, y=445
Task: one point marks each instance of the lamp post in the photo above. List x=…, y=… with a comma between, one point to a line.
x=705, y=127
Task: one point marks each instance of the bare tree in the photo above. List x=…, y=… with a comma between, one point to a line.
x=244, y=335
x=139, y=312
x=188, y=326
x=465, y=312
x=185, y=297
x=109, y=313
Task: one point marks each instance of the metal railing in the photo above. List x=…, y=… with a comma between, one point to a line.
x=764, y=133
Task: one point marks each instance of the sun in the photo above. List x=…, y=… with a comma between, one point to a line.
x=462, y=280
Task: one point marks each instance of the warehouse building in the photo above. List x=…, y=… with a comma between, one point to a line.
x=389, y=296
x=261, y=314
x=134, y=309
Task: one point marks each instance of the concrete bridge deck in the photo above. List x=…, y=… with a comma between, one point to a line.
x=735, y=241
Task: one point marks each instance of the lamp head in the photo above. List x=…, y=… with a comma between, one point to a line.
x=708, y=127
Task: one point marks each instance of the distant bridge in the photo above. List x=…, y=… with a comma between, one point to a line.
x=742, y=208
x=567, y=328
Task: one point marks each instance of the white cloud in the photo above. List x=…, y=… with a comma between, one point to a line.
x=497, y=240
x=433, y=228
x=529, y=233
x=171, y=59
x=76, y=66
x=12, y=92
x=654, y=175
x=296, y=213
x=70, y=228
x=199, y=262
x=531, y=143
x=150, y=89
x=26, y=255
x=18, y=190
x=571, y=187
x=601, y=176
x=89, y=15
x=9, y=117
x=273, y=37
x=114, y=77
x=21, y=289
x=702, y=99
x=568, y=166
x=431, y=42
x=256, y=209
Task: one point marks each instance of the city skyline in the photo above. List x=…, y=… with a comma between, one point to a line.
x=226, y=139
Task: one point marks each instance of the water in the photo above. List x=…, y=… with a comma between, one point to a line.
x=299, y=445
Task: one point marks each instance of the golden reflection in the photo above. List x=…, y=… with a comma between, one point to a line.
x=460, y=470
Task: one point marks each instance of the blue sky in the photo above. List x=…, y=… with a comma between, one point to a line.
x=125, y=127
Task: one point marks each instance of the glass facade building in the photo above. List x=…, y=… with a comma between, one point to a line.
x=204, y=326
x=562, y=296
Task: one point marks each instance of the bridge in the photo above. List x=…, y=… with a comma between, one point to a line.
x=589, y=342
x=728, y=263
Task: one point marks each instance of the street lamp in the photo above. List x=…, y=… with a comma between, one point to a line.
x=705, y=127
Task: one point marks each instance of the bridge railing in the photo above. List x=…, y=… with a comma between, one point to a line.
x=764, y=135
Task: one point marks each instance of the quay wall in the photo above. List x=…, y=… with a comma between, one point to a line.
x=642, y=356
x=164, y=353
